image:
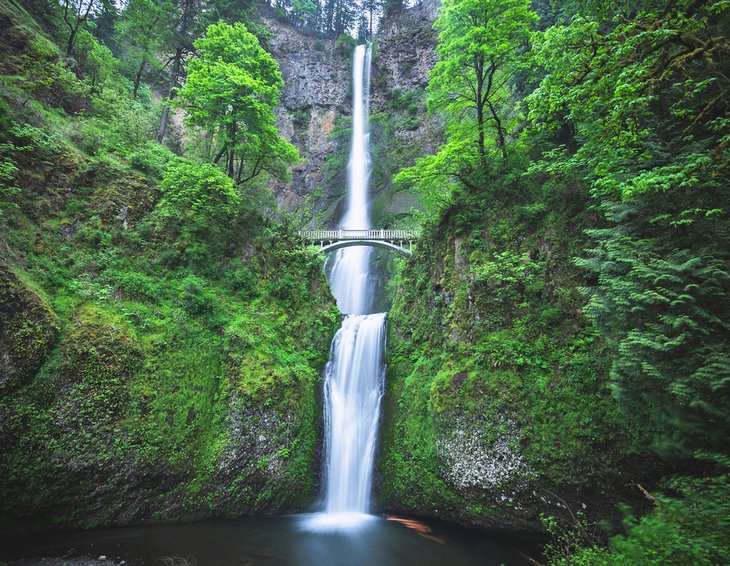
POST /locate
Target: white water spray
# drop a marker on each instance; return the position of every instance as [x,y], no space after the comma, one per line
[354,375]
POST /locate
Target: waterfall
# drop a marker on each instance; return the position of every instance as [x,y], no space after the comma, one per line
[353,382]
[350,271]
[355,373]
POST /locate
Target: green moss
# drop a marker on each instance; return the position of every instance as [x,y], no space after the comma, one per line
[28,327]
[486,330]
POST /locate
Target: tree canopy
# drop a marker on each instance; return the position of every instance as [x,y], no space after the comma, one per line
[230,93]
[479,49]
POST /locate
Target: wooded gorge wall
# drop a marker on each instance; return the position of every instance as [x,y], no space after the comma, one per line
[559,340]
[497,408]
[156,366]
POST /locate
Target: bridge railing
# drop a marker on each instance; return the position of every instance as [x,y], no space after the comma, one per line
[330,235]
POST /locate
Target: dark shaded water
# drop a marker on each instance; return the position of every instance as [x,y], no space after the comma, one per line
[275,541]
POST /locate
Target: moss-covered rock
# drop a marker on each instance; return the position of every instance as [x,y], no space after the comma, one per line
[159,375]
[28,329]
[147,413]
[497,409]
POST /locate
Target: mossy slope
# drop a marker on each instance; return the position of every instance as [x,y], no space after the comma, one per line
[497,407]
[149,373]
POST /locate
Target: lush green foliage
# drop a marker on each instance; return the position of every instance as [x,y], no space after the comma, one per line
[148,331]
[565,314]
[335,17]
[487,334]
[147,28]
[230,94]
[683,529]
[656,160]
[197,200]
[625,118]
[479,46]
[481,49]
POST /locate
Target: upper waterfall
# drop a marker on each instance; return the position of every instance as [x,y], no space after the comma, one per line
[349,275]
[357,216]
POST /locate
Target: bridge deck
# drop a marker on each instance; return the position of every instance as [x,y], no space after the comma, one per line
[332,235]
[329,240]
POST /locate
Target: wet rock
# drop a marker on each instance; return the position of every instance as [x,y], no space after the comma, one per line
[28,329]
[316,73]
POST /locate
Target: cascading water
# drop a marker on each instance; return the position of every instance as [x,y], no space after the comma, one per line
[354,375]
[353,383]
[349,273]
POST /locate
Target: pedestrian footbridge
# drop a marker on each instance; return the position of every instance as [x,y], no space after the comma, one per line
[329,240]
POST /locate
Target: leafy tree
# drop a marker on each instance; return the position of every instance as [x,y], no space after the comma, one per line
[185,29]
[198,200]
[480,49]
[304,13]
[75,14]
[480,43]
[96,61]
[105,23]
[230,93]
[146,29]
[645,97]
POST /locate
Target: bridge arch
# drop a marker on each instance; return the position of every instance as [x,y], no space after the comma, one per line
[332,246]
[400,241]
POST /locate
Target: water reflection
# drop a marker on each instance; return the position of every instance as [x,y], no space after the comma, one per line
[276,540]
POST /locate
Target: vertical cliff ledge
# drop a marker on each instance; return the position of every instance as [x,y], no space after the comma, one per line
[316,94]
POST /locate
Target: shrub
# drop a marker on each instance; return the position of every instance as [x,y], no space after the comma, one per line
[151,158]
[242,279]
[196,299]
[137,285]
[198,199]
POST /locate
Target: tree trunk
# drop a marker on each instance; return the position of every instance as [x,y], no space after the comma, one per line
[231,171]
[480,97]
[232,132]
[71,41]
[500,131]
[170,93]
[138,78]
[217,158]
[239,174]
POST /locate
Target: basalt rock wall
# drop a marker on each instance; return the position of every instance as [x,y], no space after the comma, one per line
[316,106]
[316,97]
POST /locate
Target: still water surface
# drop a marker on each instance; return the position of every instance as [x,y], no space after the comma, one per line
[277,541]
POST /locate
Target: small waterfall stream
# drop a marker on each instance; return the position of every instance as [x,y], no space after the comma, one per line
[355,373]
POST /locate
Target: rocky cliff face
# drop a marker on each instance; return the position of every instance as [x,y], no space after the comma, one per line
[28,329]
[135,387]
[497,409]
[406,54]
[316,107]
[124,426]
[401,128]
[316,95]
